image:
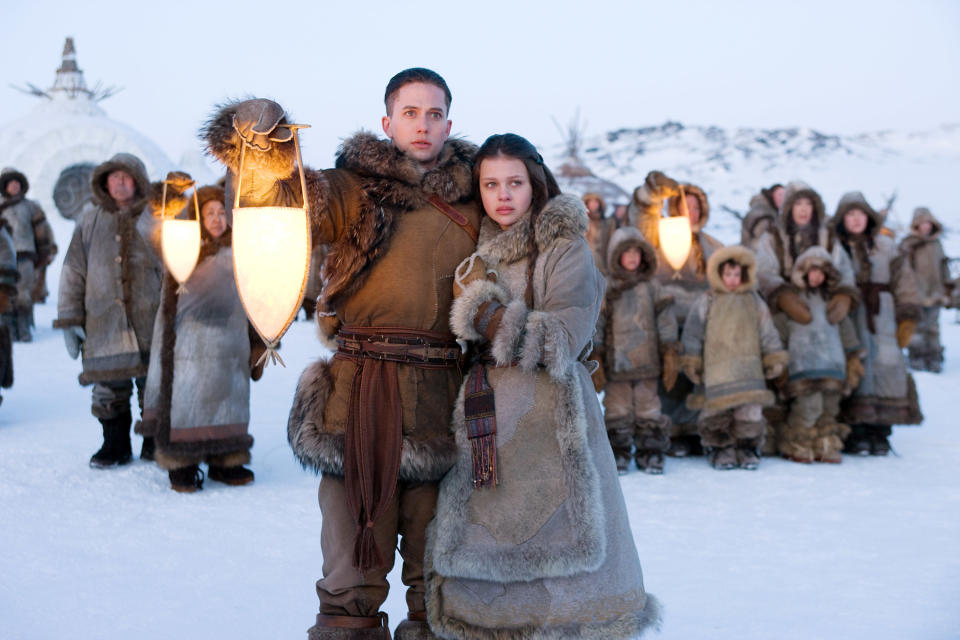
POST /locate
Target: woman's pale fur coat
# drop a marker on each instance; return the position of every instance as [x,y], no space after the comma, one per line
[548,552]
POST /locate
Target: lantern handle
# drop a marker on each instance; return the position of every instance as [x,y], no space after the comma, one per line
[684,210]
[296,143]
[163,199]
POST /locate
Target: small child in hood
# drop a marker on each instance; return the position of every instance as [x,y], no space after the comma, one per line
[923,249]
[636,343]
[824,362]
[730,349]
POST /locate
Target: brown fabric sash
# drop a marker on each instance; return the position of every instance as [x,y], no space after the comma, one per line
[456,216]
[374,428]
[870,292]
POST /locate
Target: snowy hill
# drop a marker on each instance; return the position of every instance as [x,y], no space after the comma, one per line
[733,164]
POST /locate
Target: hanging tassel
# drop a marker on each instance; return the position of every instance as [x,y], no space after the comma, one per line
[479,410]
[366,556]
[484,449]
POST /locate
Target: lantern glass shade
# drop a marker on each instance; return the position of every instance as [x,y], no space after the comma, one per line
[676,239]
[271,259]
[180,240]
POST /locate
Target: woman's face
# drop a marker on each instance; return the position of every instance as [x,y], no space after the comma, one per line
[802,211]
[855,221]
[214,217]
[778,197]
[505,189]
[693,209]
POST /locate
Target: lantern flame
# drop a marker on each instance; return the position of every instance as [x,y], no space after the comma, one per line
[676,239]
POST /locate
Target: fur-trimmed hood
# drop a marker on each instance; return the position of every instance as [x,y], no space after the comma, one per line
[624,238]
[8,174]
[815,256]
[792,192]
[856,200]
[593,195]
[125,162]
[921,215]
[742,256]
[564,216]
[371,157]
[673,205]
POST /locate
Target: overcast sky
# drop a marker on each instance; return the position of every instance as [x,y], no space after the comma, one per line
[838,66]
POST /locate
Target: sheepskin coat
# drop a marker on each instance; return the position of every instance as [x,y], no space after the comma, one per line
[887,394]
[548,552]
[645,209]
[761,217]
[926,258]
[731,338]
[197,397]
[390,263]
[30,232]
[818,350]
[110,282]
[777,251]
[636,323]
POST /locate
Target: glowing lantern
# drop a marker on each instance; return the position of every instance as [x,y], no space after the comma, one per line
[676,239]
[271,260]
[180,242]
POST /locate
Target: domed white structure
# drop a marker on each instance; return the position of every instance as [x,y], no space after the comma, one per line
[70,128]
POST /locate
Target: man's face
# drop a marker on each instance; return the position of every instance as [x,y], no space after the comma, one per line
[418,123]
[214,218]
[121,187]
[13,188]
[731,276]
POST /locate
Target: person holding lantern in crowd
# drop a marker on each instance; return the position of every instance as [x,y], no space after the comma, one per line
[399,216]
[109,294]
[33,241]
[197,398]
[636,343]
[730,348]
[801,224]
[923,250]
[683,285]
[885,322]
[532,513]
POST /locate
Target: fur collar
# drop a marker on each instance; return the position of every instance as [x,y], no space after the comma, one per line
[744,257]
[815,256]
[563,216]
[402,180]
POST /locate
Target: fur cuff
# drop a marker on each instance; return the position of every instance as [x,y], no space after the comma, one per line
[467,305]
[776,357]
[63,323]
[512,327]
[545,343]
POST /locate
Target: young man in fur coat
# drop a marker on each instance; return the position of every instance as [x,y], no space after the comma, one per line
[923,250]
[109,294]
[637,342]
[33,240]
[683,286]
[399,216]
[730,349]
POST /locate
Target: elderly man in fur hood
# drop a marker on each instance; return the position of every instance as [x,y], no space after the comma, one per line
[399,216]
[599,229]
[824,363]
[730,349]
[637,340]
[33,241]
[924,251]
[683,286]
[109,294]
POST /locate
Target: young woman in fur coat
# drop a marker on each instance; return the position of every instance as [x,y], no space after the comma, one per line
[885,322]
[197,404]
[531,537]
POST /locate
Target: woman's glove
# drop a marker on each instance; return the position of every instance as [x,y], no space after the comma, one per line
[73,337]
[258,123]
[838,307]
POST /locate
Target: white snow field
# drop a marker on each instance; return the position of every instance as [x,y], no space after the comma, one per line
[867,549]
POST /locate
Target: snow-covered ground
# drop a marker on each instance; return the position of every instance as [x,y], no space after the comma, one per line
[867,549]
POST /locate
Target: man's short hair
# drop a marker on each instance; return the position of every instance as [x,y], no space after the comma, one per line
[409,76]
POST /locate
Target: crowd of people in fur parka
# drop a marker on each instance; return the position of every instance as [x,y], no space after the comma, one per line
[790,343]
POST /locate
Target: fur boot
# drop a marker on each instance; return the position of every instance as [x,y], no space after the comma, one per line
[413,630]
[828,440]
[652,439]
[350,628]
[750,436]
[716,435]
[859,441]
[620,434]
[116,443]
[775,417]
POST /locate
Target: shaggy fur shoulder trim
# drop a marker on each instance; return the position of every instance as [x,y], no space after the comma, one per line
[545,343]
[742,256]
[513,324]
[564,216]
[466,306]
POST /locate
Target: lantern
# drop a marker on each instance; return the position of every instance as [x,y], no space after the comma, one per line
[180,242]
[271,260]
[675,241]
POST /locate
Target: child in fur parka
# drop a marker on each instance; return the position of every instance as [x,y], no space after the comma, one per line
[924,251]
[730,349]
[823,355]
[636,332]
[531,537]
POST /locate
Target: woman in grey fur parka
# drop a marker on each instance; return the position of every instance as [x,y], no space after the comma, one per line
[531,538]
